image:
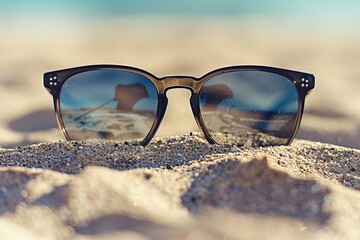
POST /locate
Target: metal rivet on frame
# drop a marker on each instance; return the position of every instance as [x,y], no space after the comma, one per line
[53,80]
[304,82]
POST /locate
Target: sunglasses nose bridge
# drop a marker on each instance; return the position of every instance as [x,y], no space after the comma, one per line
[179,82]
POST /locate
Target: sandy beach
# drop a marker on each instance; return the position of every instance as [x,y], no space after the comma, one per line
[171,47]
[178,187]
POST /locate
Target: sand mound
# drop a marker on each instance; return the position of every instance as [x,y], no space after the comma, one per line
[179,188]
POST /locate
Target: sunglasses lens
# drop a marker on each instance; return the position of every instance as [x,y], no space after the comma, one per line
[108,104]
[249,108]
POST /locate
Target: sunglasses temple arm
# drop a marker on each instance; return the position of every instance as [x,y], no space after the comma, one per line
[94,109]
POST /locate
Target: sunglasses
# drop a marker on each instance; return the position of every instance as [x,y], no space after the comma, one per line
[241,105]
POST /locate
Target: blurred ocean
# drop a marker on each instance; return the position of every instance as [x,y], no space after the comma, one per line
[324,12]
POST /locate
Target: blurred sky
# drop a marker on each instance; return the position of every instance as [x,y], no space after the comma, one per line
[331,13]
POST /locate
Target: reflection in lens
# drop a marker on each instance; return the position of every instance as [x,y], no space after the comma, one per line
[249,108]
[108,104]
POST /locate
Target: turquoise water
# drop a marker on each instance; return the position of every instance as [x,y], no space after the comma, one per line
[321,14]
[345,10]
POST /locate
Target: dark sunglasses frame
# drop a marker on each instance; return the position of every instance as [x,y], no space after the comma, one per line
[303,82]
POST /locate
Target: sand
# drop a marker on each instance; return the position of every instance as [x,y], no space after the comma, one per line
[178,187]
